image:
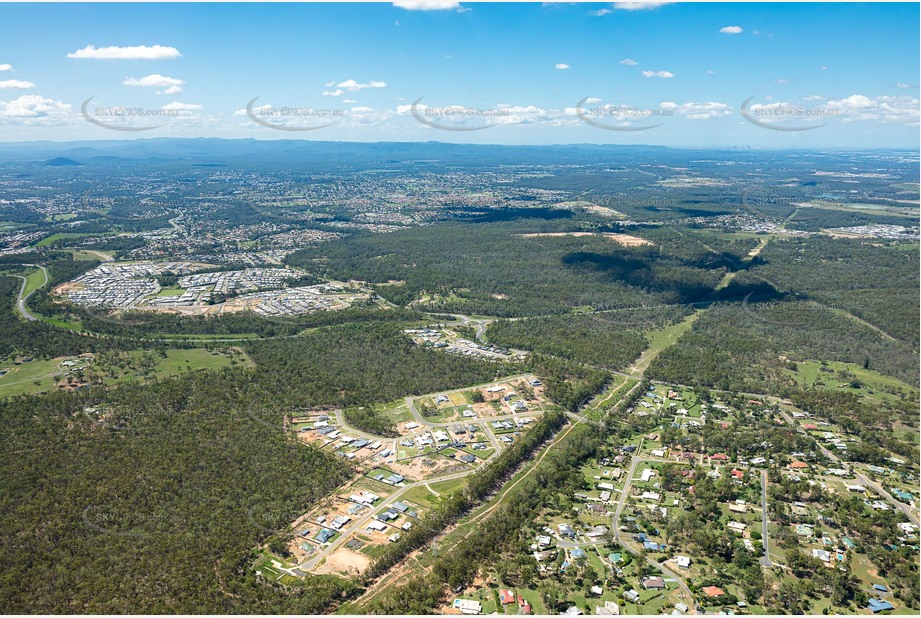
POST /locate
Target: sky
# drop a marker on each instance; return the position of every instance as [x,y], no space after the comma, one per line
[797,75]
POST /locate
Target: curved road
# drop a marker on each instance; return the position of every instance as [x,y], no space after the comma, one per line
[23,299]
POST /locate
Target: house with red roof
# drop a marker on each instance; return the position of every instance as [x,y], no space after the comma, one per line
[506,597]
[737,474]
[713,591]
[719,457]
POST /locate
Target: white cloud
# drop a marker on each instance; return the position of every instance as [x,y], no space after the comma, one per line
[630,62]
[427,5]
[33,106]
[903,86]
[599,12]
[6,67]
[711,72]
[813,97]
[662,74]
[136,52]
[639,6]
[561,66]
[698,111]
[349,101]
[731,30]
[823,68]
[362,110]
[19,84]
[171,85]
[350,85]
[592,100]
[176,106]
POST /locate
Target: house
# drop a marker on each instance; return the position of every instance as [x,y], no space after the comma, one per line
[659,452]
[605,486]
[822,555]
[566,530]
[544,541]
[654,583]
[652,496]
[878,605]
[854,487]
[681,607]
[737,474]
[719,457]
[683,562]
[632,595]
[377,526]
[411,425]
[652,546]
[506,597]
[467,458]
[467,606]
[597,532]
[738,508]
[340,521]
[577,553]
[609,608]
[604,496]
[523,606]
[736,526]
[713,591]
[399,506]
[799,465]
[880,588]
[597,591]
[393,538]
[324,535]
[441,399]
[647,474]
[572,611]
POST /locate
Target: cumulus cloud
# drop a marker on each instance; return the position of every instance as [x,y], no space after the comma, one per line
[350,85]
[561,66]
[731,30]
[630,62]
[135,52]
[883,109]
[662,74]
[428,5]
[18,84]
[171,85]
[6,67]
[33,106]
[177,106]
[697,111]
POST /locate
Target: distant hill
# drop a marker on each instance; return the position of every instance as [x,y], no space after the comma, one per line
[61,162]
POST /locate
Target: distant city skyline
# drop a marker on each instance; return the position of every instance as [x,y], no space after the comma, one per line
[805,75]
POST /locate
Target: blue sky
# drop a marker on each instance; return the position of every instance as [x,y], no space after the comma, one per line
[814,75]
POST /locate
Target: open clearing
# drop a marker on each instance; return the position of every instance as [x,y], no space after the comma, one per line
[625,240]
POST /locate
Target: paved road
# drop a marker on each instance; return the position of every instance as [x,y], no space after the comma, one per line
[912,516]
[22,300]
[615,530]
[766,560]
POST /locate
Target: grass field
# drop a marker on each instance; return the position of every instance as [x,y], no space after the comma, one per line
[659,340]
[38,376]
[56,237]
[829,375]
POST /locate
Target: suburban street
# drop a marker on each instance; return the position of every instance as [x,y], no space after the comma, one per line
[765,560]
